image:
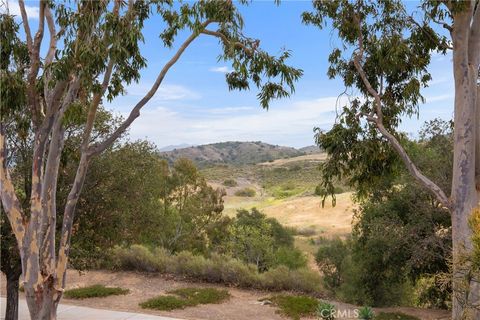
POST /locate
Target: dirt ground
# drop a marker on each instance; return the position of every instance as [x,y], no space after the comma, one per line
[243,305]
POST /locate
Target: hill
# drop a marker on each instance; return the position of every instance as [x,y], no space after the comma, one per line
[232,152]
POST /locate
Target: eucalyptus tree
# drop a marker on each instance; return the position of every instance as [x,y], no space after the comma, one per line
[385,54]
[93,52]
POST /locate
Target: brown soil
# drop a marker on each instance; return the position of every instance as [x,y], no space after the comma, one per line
[243,305]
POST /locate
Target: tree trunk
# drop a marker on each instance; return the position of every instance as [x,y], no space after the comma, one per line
[11,312]
[466,289]
[43,302]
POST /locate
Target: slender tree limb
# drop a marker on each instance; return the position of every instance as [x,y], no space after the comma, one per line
[26,25]
[98,148]
[474,39]
[10,202]
[236,44]
[378,122]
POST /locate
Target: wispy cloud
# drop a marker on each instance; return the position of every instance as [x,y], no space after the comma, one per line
[228,110]
[14,9]
[220,69]
[441,97]
[166,92]
[289,124]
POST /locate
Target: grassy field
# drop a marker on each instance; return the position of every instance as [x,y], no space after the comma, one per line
[285,191]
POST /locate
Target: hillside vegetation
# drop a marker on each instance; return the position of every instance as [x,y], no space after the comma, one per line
[234,153]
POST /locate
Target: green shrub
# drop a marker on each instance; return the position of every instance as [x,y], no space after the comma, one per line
[246,192]
[366,313]
[281,278]
[293,258]
[186,297]
[329,258]
[230,183]
[95,291]
[218,269]
[394,316]
[202,295]
[430,292]
[295,307]
[139,258]
[164,303]
[326,310]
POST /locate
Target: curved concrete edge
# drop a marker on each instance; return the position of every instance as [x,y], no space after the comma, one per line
[71,312]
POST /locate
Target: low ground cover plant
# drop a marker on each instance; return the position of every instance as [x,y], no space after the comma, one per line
[186,297]
[295,306]
[94,291]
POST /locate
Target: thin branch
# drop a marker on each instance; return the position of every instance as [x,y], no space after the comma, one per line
[100,147]
[378,122]
[26,26]
[236,44]
[474,40]
[10,201]
[53,37]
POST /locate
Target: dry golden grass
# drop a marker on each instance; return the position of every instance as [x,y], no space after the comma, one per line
[305,212]
[309,157]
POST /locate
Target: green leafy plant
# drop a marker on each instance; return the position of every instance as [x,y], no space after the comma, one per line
[230,183]
[326,311]
[164,303]
[186,297]
[202,295]
[245,192]
[95,291]
[366,313]
[295,306]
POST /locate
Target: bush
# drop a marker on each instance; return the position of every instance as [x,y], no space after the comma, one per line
[295,307]
[430,292]
[329,258]
[292,258]
[230,183]
[246,192]
[95,291]
[326,311]
[139,258]
[202,295]
[164,303]
[366,313]
[216,269]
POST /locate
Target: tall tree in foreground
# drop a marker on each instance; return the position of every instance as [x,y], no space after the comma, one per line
[92,53]
[385,54]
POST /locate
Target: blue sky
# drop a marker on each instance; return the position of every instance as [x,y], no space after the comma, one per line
[194,106]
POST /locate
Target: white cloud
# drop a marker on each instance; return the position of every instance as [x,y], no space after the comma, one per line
[166,92]
[220,69]
[229,110]
[290,124]
[441,97]
[14,9]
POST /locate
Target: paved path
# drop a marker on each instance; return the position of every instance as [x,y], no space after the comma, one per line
[70,312]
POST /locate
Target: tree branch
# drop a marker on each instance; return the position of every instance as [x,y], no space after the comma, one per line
[378,122]
[10,202]
[474,39]
[236,44]
[100,147]
[26,26]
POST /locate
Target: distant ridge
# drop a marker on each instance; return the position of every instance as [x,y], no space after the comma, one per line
[235,153]
[177,146]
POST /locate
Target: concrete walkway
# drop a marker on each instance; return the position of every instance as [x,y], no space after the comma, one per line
[70,312]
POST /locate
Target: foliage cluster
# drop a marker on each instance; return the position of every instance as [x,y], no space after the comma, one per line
[186,297]
[401,235]
[94,291]
[295,306]
[215,269]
